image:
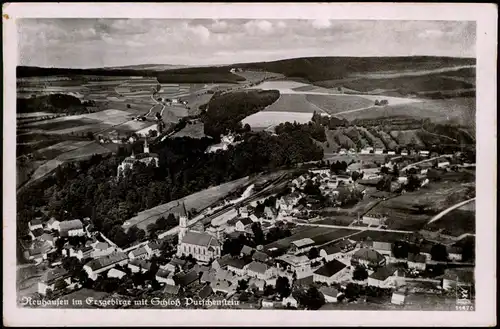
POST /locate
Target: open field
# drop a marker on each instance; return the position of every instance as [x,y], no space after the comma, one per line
[455,223]
[412,210]
[53,151]
[319,234]
[339,103]
[33,115]
[93,122]
[193,130]
[284,86]
[266,119]
[457,110]
[198,201]
[293,103]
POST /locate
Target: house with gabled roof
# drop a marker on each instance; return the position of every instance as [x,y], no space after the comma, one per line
[101,249]
[383,277]
[99,265]
[242,223]
[368,257]
[52,224]
[115,273]
[302,245]
[165,276]
[416,261]
[153,248]
[46,237]
[38,251]
[331,272]
[260,256]
[71,228]
[205,292]
[35,224]
[83,252]
[246,251]
[171,290]
[139,253]
[259,270]
[141,265]
[330,252]
[184,279]
[331,294]
[51,277]
[36,233]
[236,265]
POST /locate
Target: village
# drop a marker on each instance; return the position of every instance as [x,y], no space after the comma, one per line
[279,251]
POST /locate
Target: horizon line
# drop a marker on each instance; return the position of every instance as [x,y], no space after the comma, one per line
[228,64]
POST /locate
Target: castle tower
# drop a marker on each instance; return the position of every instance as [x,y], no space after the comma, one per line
[146,147]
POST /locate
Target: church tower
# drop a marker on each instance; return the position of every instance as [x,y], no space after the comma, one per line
[183,224]
[146,147]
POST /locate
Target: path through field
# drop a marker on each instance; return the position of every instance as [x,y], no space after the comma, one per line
[444,212]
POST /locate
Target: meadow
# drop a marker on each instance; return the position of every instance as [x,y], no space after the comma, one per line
[293,103]
[460,111]
[197,201]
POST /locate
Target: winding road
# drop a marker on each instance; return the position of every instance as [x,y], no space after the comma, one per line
[444,212]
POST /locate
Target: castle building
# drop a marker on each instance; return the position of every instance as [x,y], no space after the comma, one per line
[201,245]
[145,157]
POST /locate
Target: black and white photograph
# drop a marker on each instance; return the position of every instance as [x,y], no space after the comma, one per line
[248,163]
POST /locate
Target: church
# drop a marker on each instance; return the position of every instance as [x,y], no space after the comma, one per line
[146,158]
[201,245]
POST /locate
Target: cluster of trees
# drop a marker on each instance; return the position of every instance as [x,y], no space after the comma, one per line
[89,188]
[360,273]
[227,110]
[311,299]
[313,129]
[54,103]
[330,122]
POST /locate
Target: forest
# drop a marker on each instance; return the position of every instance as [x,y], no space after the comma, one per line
[90,188]
[225,111]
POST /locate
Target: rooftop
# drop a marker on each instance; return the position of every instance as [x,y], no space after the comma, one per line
[200,239]
[383,273]
[55,274]
[329,291]
[68,225]
[259,256]
[303,242]
[185,279]
[171,290]
[257,267]
[102,262]
[416,258]
[141,263]
[330,268]
[368,255]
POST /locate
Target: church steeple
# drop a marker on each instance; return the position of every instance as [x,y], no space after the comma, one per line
[146,147]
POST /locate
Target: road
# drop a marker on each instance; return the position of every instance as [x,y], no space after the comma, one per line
[352,227]
[444,212]
[426,160]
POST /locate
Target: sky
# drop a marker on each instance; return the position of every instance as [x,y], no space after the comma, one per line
[86,43]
